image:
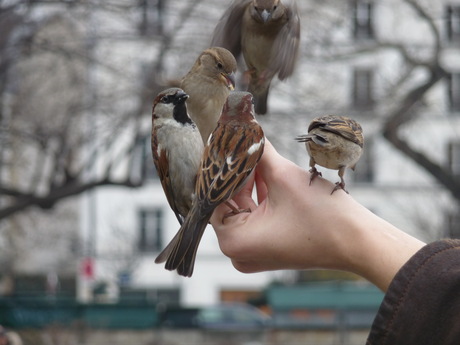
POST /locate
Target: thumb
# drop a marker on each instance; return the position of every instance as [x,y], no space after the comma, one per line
[271,169]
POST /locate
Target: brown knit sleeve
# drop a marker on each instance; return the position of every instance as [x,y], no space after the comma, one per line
[422,304]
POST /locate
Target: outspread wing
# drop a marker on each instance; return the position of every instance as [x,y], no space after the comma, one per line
[227,33]
[286,46]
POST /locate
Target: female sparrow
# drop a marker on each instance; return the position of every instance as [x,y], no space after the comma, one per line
[233,150]
[176,149]
[208,83]
[334,142]
[267,32]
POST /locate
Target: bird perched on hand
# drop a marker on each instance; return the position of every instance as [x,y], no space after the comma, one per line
[208,83]
[267,32]
[176,149]
[233,151]
[334,142]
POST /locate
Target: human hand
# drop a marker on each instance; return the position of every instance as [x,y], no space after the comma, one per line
[295,225]
[290,214]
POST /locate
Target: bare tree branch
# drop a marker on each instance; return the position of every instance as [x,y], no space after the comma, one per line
[72,188]
[430,22]
[405,113]
[59,147]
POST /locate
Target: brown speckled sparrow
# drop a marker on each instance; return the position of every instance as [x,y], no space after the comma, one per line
[208,84]
[233,150]
[267,32]
[176,149]
[334,142]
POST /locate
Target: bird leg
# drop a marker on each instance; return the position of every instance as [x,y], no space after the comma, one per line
[248,75]
[258,79]
[341,184]
[313,171]
[264,76]
[234,211]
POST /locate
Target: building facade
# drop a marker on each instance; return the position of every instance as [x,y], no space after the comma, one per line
[362,59]
[392,65]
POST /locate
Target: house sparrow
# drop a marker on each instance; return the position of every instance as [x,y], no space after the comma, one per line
[176,149]
[208,83]
[334,142]
[233,150]
[267,32]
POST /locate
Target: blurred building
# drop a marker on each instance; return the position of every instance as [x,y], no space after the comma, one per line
[364,59]
[38,249]
[358,58]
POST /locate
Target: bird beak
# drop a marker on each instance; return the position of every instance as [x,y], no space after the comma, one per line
[265,15]
[181,97]
[229,80]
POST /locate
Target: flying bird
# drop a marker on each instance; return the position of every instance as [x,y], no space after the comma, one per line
[334,142]
[234,149]
[176,149]
[208,83]
[267,33]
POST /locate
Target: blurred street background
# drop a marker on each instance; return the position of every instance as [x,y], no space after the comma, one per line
[83,214]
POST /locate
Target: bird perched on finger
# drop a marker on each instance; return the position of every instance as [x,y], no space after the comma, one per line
[334,142]
[209,83]
[176,149]
[234,149]
[267,33]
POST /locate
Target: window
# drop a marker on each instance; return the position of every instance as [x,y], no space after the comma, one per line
[151,230]
[364,171]
[453,89]
[453,157]
[362,20]
[453,23]
[151,17]
[362,89]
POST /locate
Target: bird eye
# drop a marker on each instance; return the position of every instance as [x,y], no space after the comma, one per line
[274,7]
[219,65]
[164,99]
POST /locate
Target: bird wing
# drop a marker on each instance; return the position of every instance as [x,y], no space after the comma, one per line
[160,159]
[286,46]
[227,33]
[225,168]
[345,127]
[227,162]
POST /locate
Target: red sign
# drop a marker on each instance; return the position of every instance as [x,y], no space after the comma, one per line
[87,268]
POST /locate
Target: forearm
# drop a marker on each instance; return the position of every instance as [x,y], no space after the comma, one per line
[297,225]
[371,247]
[344,235]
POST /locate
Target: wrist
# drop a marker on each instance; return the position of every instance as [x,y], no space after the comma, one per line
[371,247]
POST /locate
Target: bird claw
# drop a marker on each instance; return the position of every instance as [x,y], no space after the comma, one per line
[260,78]
[314,173]
[339,185]
[248,75]
[234,212]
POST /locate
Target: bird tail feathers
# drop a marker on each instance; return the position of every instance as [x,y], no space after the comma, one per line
[180,253]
